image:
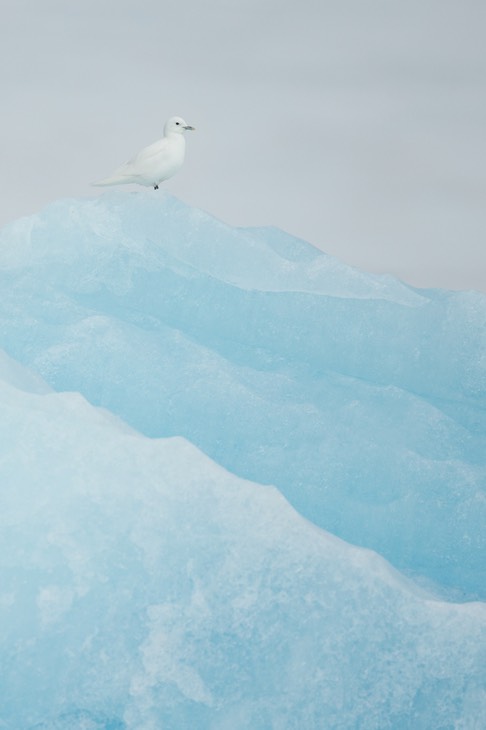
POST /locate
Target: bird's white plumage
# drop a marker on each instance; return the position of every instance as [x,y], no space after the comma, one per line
[157,162]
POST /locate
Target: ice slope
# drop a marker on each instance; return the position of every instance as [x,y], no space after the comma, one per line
[143,587]
[361,399]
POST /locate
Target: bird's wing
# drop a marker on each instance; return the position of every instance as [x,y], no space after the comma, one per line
[157,148]
[142,164]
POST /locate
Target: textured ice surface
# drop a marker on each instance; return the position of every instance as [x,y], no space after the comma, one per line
[361,399]
[144,587]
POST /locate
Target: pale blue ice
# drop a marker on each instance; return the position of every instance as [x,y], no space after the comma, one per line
[158,369]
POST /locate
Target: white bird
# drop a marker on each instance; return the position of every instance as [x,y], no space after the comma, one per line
[154,163]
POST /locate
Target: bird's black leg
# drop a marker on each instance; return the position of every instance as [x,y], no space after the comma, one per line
[156,187]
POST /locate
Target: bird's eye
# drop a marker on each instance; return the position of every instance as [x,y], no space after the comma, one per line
[177,122]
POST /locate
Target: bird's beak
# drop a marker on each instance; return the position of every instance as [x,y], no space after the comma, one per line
[188,127]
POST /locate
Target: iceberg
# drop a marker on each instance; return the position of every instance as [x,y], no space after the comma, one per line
[241,484]
[360,398]
[144,586]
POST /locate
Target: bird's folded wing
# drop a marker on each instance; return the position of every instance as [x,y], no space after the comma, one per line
[152,150]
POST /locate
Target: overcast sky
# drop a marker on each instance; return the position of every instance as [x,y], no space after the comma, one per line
[359,125]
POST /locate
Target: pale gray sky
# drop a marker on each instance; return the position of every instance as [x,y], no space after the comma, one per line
[358,125]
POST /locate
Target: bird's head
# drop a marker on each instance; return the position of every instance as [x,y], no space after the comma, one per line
[176,125]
